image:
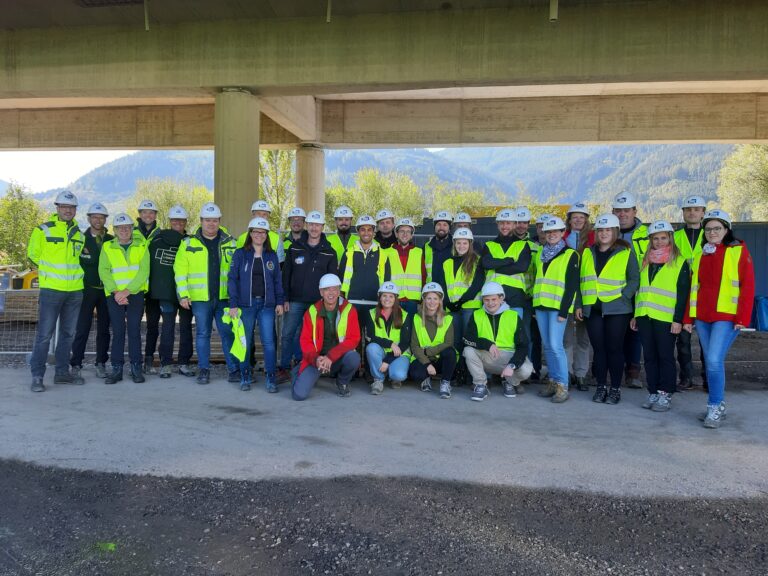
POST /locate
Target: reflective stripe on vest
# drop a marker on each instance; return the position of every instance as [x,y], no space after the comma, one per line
[657,299]
[341,324]
[124,270]
[408,280]
[549,288]
[338,246]
[459,282]
[349,268]
[191,268]
[380,330]
[611,281]
[730,283]
[505,330]
[513,252]
[423,336]
[59,264]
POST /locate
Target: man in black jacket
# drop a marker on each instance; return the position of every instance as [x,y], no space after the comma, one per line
[147,228]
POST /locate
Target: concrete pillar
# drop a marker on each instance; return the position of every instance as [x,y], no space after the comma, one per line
[236,156]
[310,177]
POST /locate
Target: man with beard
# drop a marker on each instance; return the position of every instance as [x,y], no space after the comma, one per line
[438,249]
[343,236]
[296,218]
[385,229]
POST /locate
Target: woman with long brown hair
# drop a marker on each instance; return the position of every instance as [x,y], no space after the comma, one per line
[388,334]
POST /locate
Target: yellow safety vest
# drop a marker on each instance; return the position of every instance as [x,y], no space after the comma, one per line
[730,283]
[336,244]
[549,288]
[239,341]
[191,267]
[612,280]
[123,270]
[408,280]
[349,269]
[380,328]
[530,274]
[137,235]
[458,283]
[657,299]
[688,252]
[55,247]
[423,336]
[505,333]
[515,280]
[429,260]
[640,242]
[342,319]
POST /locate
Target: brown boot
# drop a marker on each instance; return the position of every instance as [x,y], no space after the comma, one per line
[561,394]
[549,389]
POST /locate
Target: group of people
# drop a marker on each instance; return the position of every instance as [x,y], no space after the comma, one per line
[585,297]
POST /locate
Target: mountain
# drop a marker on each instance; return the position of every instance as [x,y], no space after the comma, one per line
[4,185]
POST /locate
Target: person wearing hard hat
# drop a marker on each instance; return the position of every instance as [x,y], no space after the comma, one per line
[261,209]
[438,249]
[146,228]
[665,283]
[495,343]
[720,305]
[54,249]
[405,265]
[329,337]
[388,337]
[201,269]
[385,228]
[296,218]
[689,240]
[462,220]
[554,293]
[305,263]
[464,279]
[535,346]
[540,221]
[609,278]
[578,229]
[124,271]
[162,287]
[341,239]
[432,342]
[255,288]
[93,295]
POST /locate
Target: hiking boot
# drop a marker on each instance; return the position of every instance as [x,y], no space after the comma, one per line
[283,376]
[187,370]
[714,416]
[65,378]
[166,371]
[663,404]
[426,384]
[270,384]
[149,365]
[509,389]
[396,384]
[703,415]
[650,401]
[549,388]
[480,392]
[37,384]
[234,376]
[101,370]
[445,389]
[601,394]
[115,376]
[581,384]
[77,375]
[614,396]
[561,393]
[377,387]
[685,384]
[204,376]
[136,374]
[343,390]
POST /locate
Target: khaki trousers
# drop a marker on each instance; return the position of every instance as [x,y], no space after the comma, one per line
[480,363]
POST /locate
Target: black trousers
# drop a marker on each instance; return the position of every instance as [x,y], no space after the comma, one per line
[685,357]
[152,313]
[606,334]
[536,346]
[93,299]
[168,311]
[445,365]
[658,354]
[122,316]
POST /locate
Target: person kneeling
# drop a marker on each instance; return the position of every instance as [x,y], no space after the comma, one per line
[388,332]
[495,343]
[328,345]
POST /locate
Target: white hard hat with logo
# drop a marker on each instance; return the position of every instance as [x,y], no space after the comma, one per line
[543,218]
[389,288]
[315,217]
[506,215]
[554,223]
[578,208]
[297,212]
[97,208]
[432,287]
[210,210]
[694,202]
[384,214]
[65,198]
[624,200]
[521,214]
[463,234]
[343,212]
[405,222]
[462,218]
[122,219]
[259,223]
[147,205]
[717,214]
[177,213]
[606,221]
[329,281]
[492,289]
[261,205]
[443,216]
[660,226]
[365,220]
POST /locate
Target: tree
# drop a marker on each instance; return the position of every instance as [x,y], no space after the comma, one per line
[743,190]
[277,184]
[19,213]
[166,193]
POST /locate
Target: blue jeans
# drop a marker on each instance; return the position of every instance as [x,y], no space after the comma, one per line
[398,369]
[552,340]
[716,339]
[460,321]
[122,316]
[205,313]
[290,348]
[266,320]
[64,307]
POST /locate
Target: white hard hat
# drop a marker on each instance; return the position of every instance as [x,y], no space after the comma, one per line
[660,226]
[718,215]
[259,223]
[97,208]
[624,200]
[462,218]
[554,223]
[177,213]
[578,208]
[210,210]
[606,221]
[260,205]
[329,281]
[147,205]
[463,234]
[389,288]
[384,214]
[694,202]
[432,287]
[405,222]
[65,198]
[443,216]
[543,218]
[521,214]
[365,220]
[343,212]
[297,212]
[492,289]
[122,219]
[315,217]
[506,215]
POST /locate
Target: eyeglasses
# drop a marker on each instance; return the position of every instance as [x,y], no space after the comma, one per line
[713,230]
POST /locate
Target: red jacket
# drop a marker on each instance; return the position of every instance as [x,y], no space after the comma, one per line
[710,275]
[351,339]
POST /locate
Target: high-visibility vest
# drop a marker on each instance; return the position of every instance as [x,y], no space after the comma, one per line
[549,288]
[55,247]
[730,283]
[335,241]
[459,282]
[342,319]
[137,235]
[239,347]
[640,242]
[429,259]
[611,281]
[123,270]
[191,267]
[505,332]
[514,280]
[530,274]
[380,329]
[423,336]
[349,269]
[408,280]
[657,298]
[686,250]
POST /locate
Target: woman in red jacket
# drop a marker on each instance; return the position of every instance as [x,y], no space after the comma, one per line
[722,291]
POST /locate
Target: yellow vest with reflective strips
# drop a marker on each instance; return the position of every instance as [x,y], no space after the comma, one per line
[429,260]
[688,252]
[549,288]
[530,274]
[505,333]
[640,242]
[610,283]
[380,330]
[730,283]
[123,270]
[657,298]
[239,340]
[55,247]
[338,247]
[459,282]
[423,336]
[349,268]
[515,280]
[191,267]
[408,280]
[342,319]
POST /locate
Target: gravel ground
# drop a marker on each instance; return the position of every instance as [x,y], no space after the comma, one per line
[63,522]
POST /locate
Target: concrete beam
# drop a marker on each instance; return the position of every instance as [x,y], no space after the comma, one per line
[297,114]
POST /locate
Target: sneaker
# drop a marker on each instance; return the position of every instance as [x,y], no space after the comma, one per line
[714,416]
[234,377]
[480,392]
[445,389]
[149,365]
[283,376]
[64,378]
[37,384]
[187,370]
[581,384]
[601,394]
[649,403]
[561,393]
[101,370]
[204,376]
[703,415]
[77,375]
[614,396]
[343,390]
[377,387]
[509,389]
[270,384]
[115,376]
[663,404]
[549,389]
[396,384]
[136,373]
[426,384]
[165,371]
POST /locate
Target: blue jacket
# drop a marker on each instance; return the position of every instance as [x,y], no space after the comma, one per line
[241,275]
